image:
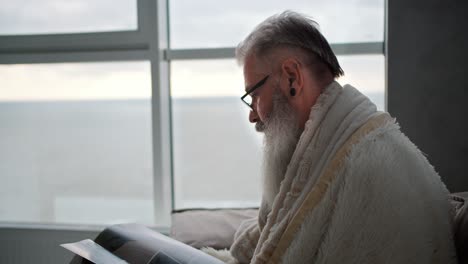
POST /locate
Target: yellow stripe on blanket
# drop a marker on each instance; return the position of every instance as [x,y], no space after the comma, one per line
[319,190]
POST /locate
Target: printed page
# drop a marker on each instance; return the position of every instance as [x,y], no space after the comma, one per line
[93,252]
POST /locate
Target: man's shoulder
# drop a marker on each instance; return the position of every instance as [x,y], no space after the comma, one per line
[386,157]
[387,140]
[387,149]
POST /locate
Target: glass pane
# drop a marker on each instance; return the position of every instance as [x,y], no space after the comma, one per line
[21,17]
[75,143]
[367,74]
[211,23]
[216,150]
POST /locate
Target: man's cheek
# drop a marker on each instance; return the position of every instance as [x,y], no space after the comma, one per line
[263,112]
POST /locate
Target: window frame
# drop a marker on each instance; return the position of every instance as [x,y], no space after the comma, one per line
[150,41]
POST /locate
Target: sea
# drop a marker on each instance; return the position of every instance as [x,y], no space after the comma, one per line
[90,162]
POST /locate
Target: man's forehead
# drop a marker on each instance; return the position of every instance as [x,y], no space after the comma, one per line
[253,72]
[251,79]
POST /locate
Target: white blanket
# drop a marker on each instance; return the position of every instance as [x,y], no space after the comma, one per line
[381,202]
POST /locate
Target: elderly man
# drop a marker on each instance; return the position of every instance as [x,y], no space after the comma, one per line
[342,184]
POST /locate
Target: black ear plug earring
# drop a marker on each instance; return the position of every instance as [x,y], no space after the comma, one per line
[292,91]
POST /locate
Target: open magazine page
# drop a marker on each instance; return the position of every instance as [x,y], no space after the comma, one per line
[138,244]
[93,252]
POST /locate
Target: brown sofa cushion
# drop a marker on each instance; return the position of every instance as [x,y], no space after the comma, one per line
[208,228]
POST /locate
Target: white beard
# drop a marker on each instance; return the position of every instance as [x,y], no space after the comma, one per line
[281,136]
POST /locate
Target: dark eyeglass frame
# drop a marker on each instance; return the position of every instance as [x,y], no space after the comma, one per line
[255,87]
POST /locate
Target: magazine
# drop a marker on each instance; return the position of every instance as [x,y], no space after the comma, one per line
[135,244]
[93,252]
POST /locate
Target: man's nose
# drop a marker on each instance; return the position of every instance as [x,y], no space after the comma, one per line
[253,117]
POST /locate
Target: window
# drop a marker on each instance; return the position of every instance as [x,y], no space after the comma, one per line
[197,24]
[75,143]
[25,17]
[367,74]
[103,122]
[214,146]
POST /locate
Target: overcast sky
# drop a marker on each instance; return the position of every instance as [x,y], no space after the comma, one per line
[194,24]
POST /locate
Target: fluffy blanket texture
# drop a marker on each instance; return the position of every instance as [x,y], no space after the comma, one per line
[356,191]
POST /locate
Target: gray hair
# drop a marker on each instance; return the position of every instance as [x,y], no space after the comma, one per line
[289,30]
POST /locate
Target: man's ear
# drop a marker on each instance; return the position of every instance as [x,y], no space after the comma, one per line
[292,68]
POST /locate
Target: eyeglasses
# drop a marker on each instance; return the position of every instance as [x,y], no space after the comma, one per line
[248,100]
